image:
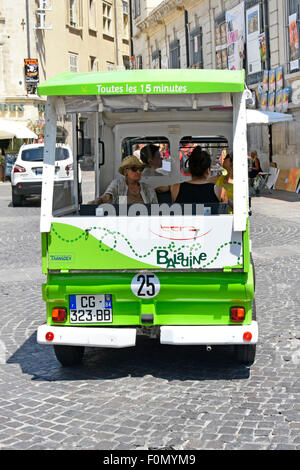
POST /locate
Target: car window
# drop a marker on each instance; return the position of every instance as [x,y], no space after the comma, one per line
[37,154]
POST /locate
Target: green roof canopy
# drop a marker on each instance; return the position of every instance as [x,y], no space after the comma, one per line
[141,82]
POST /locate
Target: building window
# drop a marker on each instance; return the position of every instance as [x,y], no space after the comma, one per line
[156,59]
[92,14]
[125,20]
[107,18]
[196,54]
[174,49]
[110,66]
[93,64]
[73,61]
[293,14]
[136,8]
[138,62]
[75,13]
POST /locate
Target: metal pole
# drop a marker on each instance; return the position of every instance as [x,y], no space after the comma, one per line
[97,156]
[28,29]
[131,29]
[116,33]
[267,34]
[75,159]
[186,27]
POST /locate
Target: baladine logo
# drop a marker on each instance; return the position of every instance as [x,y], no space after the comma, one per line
[60,257]
[180,259]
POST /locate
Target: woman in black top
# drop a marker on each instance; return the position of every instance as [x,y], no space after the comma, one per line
[198,190]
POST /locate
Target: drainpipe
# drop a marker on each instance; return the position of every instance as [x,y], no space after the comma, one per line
[116,33]
[187,44]
[267,35]
[267,32]
[131,28]
[28,30]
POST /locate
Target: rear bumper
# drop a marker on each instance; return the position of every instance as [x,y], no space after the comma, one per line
[126,337]
[27,188]
[208,335]
[93,337]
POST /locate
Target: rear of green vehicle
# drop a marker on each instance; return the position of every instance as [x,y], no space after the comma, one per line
[181,275]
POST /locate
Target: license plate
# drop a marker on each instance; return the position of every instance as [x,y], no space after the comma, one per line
[90,308]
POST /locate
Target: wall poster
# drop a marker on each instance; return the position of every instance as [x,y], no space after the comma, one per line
[253,42]
[293,42]
[235,37]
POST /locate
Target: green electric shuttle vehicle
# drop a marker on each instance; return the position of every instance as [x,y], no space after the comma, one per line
[180,273]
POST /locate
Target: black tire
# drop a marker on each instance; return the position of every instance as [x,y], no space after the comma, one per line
[69,355]
[17,199]
[245,353]
[253,310]
[79,194]
[253,267]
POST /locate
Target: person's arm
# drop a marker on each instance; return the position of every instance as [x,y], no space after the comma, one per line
[221,194]
[111,190]
[174,191]
[102,199]
[162,189]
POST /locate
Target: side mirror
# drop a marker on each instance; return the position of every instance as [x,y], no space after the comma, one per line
[102,152]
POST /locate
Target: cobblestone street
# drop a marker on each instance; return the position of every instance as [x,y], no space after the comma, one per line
[152,396]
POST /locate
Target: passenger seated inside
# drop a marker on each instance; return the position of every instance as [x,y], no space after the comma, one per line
[198,189]
[226,180]
[130,185]
[150,156]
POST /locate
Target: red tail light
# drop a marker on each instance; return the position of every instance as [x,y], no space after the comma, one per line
[19,169]
[237,314]
[49,336]
[247,336]
[69,167]
[59,314]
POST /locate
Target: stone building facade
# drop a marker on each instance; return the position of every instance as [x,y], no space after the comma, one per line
[192,34]
[63,35]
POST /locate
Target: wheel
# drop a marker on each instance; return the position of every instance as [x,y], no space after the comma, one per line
[17,199]
[253,310]
[245,353]
[253,267]
[79,194]
[69,355]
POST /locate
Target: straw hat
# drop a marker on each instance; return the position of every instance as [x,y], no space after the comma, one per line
[130,161]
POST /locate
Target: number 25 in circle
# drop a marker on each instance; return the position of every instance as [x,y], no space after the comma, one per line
[145,285]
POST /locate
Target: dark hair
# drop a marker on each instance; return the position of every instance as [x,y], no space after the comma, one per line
[199,161]
[148,152]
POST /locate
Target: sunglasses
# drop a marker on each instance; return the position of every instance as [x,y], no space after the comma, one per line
[135,168]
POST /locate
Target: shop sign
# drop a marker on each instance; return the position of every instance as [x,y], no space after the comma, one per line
[12,107]
[31,71]
[44,5]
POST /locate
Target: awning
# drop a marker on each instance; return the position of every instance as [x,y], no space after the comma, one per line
[266,117]
[10,129]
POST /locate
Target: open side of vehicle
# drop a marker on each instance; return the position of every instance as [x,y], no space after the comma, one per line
[182,274]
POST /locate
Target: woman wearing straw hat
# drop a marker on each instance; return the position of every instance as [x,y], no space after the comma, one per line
[130,186]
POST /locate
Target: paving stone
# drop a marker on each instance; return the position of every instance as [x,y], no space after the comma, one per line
[151,396]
